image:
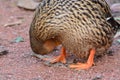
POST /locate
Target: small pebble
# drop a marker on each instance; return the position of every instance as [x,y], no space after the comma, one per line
[3,51]
[98,77]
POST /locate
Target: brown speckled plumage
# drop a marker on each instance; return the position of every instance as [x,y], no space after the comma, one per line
[79,25]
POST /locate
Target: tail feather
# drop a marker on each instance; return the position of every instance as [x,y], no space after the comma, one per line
[114,23]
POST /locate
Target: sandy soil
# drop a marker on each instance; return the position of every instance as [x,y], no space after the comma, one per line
[19,64]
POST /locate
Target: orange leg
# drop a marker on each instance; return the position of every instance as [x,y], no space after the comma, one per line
[87,65]
[61,58]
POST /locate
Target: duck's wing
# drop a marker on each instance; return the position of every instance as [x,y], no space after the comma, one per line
[107,11]
[104,7]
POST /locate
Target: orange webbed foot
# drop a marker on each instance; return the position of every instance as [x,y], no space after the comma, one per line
[61,58]
[87,65]
[80,66]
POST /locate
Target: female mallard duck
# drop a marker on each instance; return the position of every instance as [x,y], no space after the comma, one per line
[83,27]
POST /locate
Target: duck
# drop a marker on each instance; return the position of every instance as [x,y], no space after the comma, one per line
[85,28]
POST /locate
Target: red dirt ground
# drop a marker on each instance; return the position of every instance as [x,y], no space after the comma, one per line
[19,64]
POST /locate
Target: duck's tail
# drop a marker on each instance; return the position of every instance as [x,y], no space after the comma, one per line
[114,23]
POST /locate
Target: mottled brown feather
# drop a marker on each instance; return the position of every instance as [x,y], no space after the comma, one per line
[79,25]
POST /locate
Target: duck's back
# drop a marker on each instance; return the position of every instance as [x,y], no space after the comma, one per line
[85,26]
[78,24]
